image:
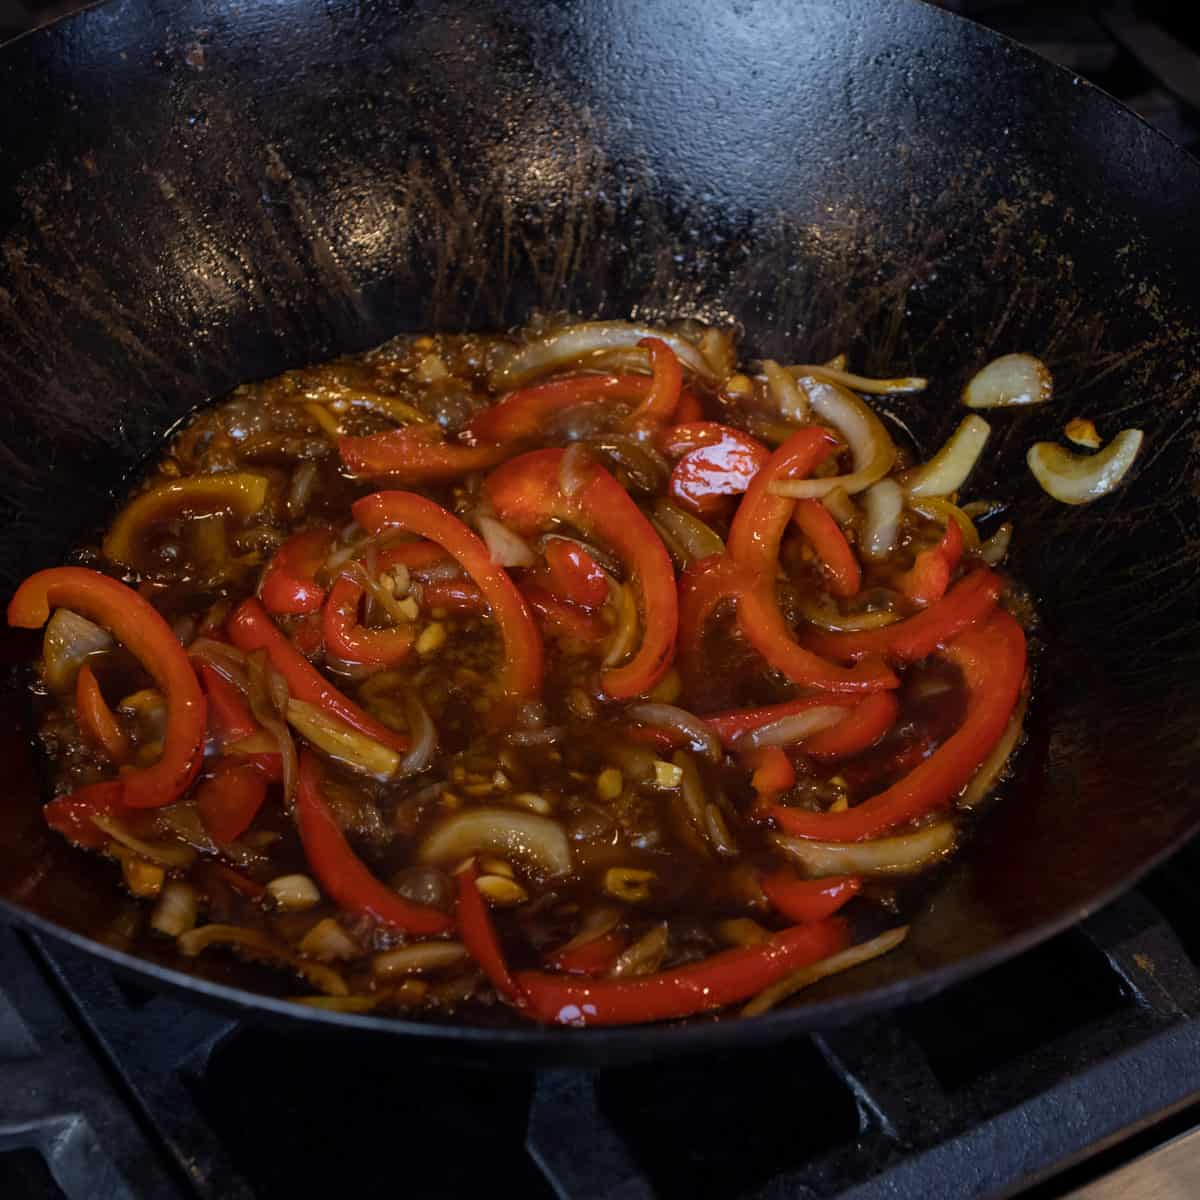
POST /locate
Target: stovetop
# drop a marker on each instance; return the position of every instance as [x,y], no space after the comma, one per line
[1085,1051]
[108,1092]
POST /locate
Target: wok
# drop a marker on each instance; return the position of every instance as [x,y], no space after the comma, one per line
[197,194]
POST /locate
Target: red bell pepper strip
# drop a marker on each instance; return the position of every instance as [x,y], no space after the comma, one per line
[729,726]
[229,716]
[415,454]
[689,410]
[803,900]
[663,740]
[575,575]
[754,539]
[289,587]
[355,643]
[705,585]
[772,770]
[250,629]
[596,957]
[454,595]
[992,660]
[557,616]
[521,675]
[478,933]
[929,577]
[663,397]
[526,495]
[72,815]
[342,873]
[97,720]
[229,801]
[523,414]
[267,763]
[715,462]
[305,633]
[860,729]
[842,573]
[967,603]
[724,978]
[421,557]
[134,622]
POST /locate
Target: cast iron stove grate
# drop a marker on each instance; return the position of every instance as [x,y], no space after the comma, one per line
[108,1093]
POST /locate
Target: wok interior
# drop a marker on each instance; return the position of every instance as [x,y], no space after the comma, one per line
[255,190]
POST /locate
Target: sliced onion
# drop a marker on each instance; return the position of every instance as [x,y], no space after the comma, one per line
[840,505]
[595,924]
[422,734]
[258,697]
[167,854]
[569,345]
[871,446]
[789,985]
[645,956]
[1008,381]
[1079,478]
[537,841]
[936,508]
[689,536]
[337,739]
[991,768]
[507,548]
[68,641]
[646,469]
[948,469]
[902,855]
[789,398]
[625,635]
[828,616]
[667,716]
[717,346]
[860,383]
[175,912]
[259,945]
[294,891]
[300,490]
[993,551]
[1083,433]
[575,469]
[228,661]
[881,525]
[795,727]
[421,956]
[328,941]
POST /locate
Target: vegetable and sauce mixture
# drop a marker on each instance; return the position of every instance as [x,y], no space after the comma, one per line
[576,676]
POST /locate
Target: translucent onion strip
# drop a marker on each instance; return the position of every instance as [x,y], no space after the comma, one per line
[995,549]
[340,742]
[901,855]
[507,548]
[538,841]
[785,731]
[666,716]
[259,945]
[175,912]
[990,770]
[871,446]
[789,398]
[421,956]
[686,536]
[884,504]
[1082,478]
[789,985]
[422,734]
[948,469]
[168,854]
[575,342]
[936,508]
[1008,382]
[68,641]
[859,383]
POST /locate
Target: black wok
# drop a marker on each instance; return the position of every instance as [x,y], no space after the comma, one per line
[196,194]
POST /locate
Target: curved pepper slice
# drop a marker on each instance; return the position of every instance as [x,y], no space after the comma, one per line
[289,587]
[663,397]
[965,604]
[929,577]
[722,979]
[689,410]
[454,595]
[575,575]
[355,643]
[72,815]
[596,957]
[808,899]
[229,716]
[251,628]
[842,572]
[478,933]
[342,873]
[772,770]
[859,730]
[526,495]
[134,622]
[715,462]
[992,660]
[521,675]
[557,616]
[229,801]
[97,720]
[754,539]
[240,492]
[415,454]
[523,414]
